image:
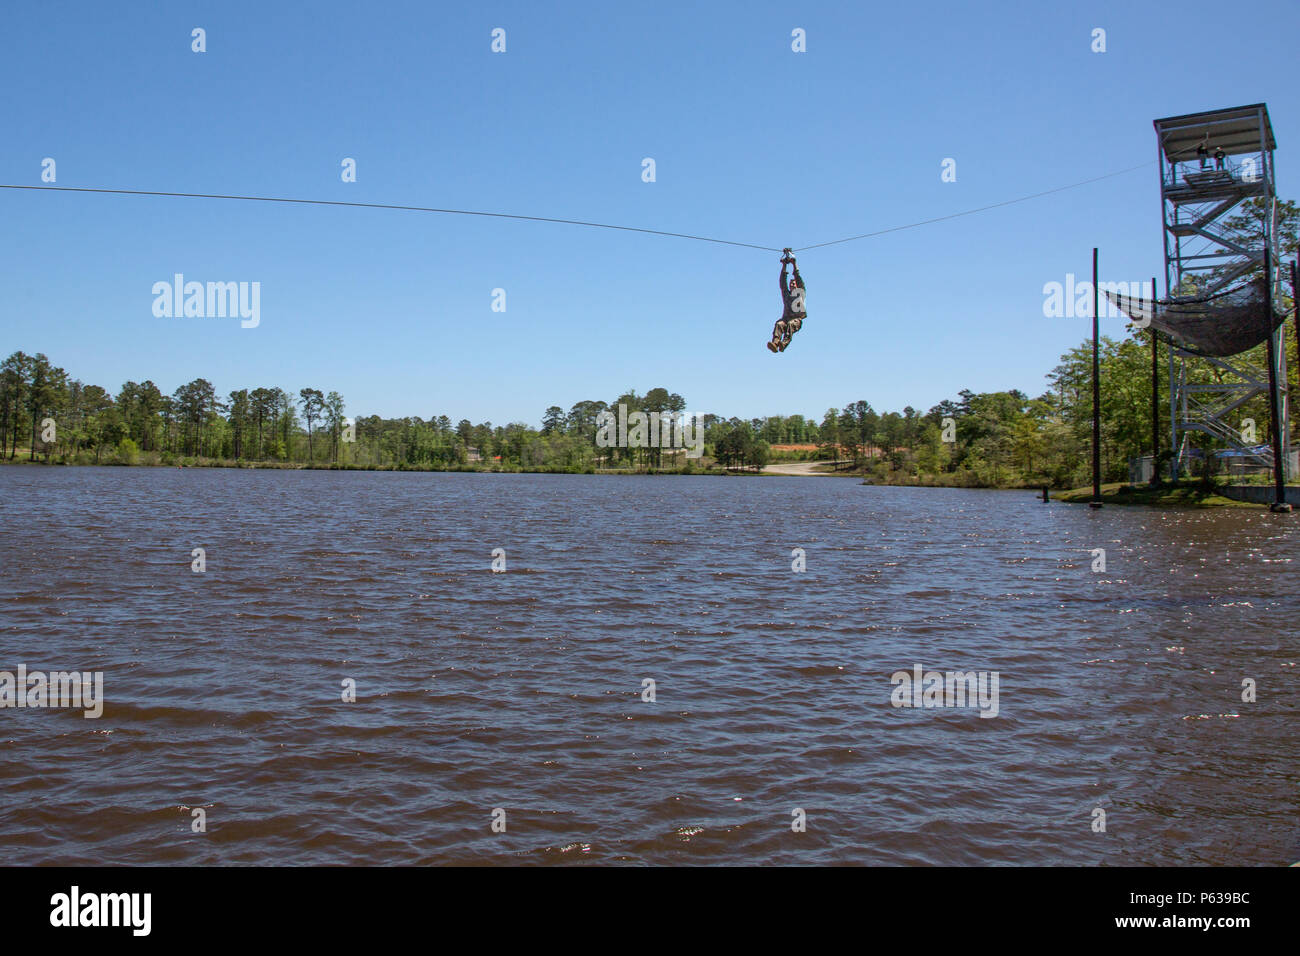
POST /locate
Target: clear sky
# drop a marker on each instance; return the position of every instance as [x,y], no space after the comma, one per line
[752,142]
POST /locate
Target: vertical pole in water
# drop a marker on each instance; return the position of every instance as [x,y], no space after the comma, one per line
[1295,304]
[1295,314]
[1174,450]
[1155,391]
[1096,394]
[1275,423]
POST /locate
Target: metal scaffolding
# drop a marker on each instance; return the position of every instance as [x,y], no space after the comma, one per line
[1211,164]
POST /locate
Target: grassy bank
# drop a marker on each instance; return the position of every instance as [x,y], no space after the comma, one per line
[1183,494]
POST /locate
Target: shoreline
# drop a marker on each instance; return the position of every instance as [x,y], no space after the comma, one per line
[245,465]
[1185,494]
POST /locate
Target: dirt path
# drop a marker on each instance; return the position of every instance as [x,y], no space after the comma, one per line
[798,468]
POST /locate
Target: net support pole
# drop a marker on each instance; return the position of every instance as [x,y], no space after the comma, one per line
[1279,478]
[1155,391]
[1096,392]
[1295,306]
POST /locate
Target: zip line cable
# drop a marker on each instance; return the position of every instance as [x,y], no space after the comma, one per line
[374,205]
[568,222]
[971,212]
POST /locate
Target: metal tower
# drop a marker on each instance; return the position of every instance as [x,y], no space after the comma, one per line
[1211,164]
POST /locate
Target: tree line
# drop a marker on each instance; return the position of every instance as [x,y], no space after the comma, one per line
[987,439]
[88,421]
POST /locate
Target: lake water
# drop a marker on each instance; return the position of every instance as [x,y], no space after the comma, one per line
[1120,690]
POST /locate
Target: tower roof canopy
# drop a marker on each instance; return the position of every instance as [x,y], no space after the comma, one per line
[1241,129]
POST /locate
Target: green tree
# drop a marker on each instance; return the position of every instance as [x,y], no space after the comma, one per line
[241,413]
[313,403]
[43,391]
[194,404]
[334,415]
[265,403]
[553,420]
[14,375]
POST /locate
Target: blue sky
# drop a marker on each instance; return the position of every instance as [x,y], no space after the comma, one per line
[752,142]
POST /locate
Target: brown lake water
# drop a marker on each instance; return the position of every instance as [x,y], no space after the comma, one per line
[1120,690]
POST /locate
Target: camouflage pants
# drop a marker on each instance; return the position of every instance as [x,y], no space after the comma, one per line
[784,330]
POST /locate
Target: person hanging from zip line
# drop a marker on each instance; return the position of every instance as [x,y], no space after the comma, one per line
[792,300]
